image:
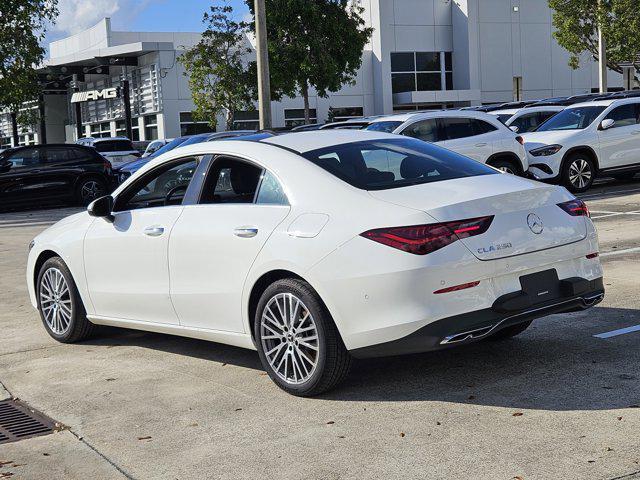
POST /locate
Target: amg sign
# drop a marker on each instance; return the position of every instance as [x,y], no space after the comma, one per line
[92,95]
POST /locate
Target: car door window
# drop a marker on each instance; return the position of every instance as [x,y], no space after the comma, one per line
[526,123]
[231,181]
[455,128]
[425,130]
[26,157]
[624,115]
[482,127]
[270,191]
[163,186]
[58,155]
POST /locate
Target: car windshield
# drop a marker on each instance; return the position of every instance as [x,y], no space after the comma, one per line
[394,163]
[387,127]
[170,146]
[572,119]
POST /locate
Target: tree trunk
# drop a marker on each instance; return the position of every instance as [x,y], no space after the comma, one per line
[305,96]
[14,129]
[230,118]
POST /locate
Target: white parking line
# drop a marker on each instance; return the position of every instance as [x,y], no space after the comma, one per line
[620,331]
[620,252]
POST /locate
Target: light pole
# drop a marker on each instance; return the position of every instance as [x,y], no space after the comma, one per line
[264,88]
[602,53]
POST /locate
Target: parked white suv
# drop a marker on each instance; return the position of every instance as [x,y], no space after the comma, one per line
[475,134]
[118,150]
[528,119]
[586,140]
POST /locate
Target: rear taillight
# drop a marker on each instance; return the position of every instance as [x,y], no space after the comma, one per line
[424,239]
[520,140]
[575,208]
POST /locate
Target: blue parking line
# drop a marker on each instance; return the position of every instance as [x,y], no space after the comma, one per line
[620,331]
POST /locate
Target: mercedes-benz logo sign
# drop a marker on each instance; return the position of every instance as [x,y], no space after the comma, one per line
[535,223]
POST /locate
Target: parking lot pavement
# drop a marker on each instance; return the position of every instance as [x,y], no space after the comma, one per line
[556,402]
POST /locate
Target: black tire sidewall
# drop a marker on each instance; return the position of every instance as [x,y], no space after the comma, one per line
[565,173]
[77,308]
[311,300]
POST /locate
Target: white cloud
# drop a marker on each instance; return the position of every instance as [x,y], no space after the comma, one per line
[78,15]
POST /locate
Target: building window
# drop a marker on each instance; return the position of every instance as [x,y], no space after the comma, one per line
[246,120]
[100,130]
[421,71]
[151,127]
[517,89]
[338,114]
[294,117]
[121,129]
[189,126]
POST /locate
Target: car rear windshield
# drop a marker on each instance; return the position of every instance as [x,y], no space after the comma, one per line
[114,146]
[394,163]
[387,127]
[577,118]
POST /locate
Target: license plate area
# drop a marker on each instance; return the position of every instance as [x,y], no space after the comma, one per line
[542,286]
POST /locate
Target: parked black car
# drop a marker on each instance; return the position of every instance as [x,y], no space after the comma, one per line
[45,174]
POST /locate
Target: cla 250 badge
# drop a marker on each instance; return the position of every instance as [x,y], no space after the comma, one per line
[494,248]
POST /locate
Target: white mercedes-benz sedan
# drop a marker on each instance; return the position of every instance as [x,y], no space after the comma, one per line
[316,247]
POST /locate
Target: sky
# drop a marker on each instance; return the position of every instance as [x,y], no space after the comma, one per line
[135,15]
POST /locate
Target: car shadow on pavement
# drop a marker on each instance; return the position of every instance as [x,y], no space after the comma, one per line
[557,364]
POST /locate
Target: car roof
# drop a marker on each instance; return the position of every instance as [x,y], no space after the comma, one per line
[606,102]
[105,139]
[301,142]
[440,114]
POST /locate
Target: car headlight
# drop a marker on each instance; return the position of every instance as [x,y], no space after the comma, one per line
[545,151]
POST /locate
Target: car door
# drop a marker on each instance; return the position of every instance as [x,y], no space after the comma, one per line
[215,242]
[22,177]
[126,258]
[620,144]
[61,170]
[461,135]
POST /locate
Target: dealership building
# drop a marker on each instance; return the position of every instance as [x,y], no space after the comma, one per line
[423,54]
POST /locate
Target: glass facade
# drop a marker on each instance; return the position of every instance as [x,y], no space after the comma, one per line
[421,71]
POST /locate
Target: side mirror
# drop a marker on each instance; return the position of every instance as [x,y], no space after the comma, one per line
[514,128]
[102,207]
[607,123]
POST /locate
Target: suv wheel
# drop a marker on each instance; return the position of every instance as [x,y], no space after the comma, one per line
[59,303]
[298,342]
[578,173]
[90,189]
[506,166]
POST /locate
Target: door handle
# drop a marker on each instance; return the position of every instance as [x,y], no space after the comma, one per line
[481,144]
[245,232]
[154,231]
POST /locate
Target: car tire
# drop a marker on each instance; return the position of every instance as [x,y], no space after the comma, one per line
[509,332]
[61,309]
[299,345]
[578,173]
[507,166]
[90,189]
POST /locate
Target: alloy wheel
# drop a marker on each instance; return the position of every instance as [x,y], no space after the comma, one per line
[55,301]
[90,190]
[289,338]
[580,173]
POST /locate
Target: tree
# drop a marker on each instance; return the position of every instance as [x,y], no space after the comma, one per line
[22,29]
[577,22]
[221,79]
[313,43]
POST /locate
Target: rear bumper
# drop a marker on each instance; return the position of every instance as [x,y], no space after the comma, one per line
[508,310]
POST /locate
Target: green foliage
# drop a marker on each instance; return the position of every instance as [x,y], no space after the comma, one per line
[221,80]
[576,23]
[22,28]
[313,43]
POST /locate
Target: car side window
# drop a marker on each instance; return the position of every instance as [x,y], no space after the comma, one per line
[58,155]
[270,191]
[26,157]
[526,123]
[624,115]
[163,186]
[481,127]
[455,128]
[425,130]
[231,181]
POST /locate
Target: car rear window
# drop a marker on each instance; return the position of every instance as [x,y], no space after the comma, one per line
[394,163]
[114,146]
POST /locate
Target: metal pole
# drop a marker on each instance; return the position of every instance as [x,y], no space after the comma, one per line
[127,108]
[264,88]
[602,56]
[78,109]
[14,129]
[43,124]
